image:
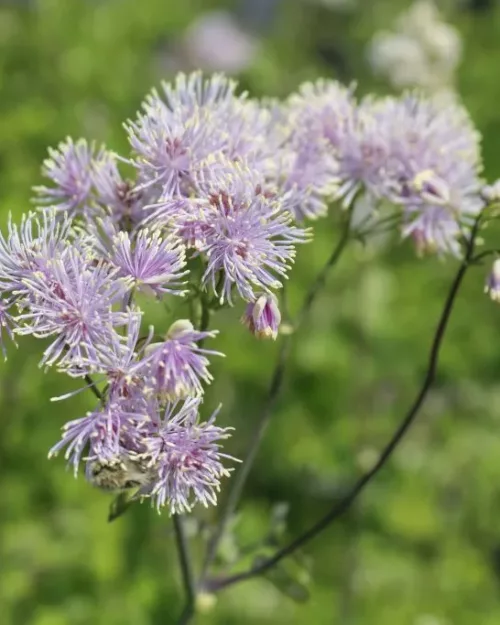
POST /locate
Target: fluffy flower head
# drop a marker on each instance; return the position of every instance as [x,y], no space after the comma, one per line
[69,167]
[178,366]
[186,455]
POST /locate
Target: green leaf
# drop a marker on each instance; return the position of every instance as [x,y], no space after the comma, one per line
[120,504]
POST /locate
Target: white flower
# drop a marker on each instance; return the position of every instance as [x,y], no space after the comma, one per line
[422,51]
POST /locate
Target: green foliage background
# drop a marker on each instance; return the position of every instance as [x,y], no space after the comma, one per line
[422,546]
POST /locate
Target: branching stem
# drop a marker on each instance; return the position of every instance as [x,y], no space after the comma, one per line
[273,392]
[347,501]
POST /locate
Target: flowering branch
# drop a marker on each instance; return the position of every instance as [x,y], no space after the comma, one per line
[240,479]
[344,505]
[202,187]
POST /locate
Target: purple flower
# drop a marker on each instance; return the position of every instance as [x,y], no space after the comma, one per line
[167,148]
[364,155]
[195,119]
[168,453]
[263,317]
[69,167]
[327,138]
[249,243]
[492,286]
[120,198]
[193,227]
[178,366]
[240,224]
[217,180]
[30,248]
[434,170]
[190,92]
[98,434]
[121,359]
[355,136]
[324,109]
[253,134]
[186,455]
[73,304]
[413,151]
[308,179]
[153,263]
[433,231]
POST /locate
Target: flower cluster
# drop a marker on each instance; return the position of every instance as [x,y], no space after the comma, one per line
[212,214]
[421,51]
[413,152]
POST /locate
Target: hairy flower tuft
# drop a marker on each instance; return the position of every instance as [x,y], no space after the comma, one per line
[152,263]
[186,455]
[73,305]
[69,167]
[178,366]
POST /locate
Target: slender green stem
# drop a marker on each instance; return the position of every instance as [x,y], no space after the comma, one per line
[385,224]
[341,507]
[479,257]
[188,576]
[93,387]
[130,299]
[274,389]
[205,315]
[186,569]
[320,280]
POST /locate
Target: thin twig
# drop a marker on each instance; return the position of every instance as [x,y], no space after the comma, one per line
[240,479]
[479,257]
[93,387]
[186,569]
[320,280]
[346,502]
[205,315]
[188,576]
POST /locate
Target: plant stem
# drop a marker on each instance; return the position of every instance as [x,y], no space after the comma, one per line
[188,576]
[186,568]
[205,315]
[346,502]
[274,389]
[93,387]
[479,257]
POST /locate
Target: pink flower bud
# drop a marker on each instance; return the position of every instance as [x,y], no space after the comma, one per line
[263,317]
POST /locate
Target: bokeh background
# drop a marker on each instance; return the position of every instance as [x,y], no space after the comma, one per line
[422,546]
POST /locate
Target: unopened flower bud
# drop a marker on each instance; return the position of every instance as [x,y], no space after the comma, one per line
[205,602]
[431,188]
[491,192]
[178,328]
[492,286]
[263,317]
